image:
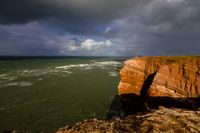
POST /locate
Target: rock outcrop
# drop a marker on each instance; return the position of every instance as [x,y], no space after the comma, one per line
[177,77]
[162,120]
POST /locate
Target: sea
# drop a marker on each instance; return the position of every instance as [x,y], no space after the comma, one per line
[42,94]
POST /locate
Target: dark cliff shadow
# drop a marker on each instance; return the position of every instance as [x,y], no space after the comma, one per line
[132,103]
[115,109]
[184,103]
[144,92]
[146,85]
[127,104]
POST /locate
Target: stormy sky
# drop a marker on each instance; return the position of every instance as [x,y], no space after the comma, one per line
[99,27]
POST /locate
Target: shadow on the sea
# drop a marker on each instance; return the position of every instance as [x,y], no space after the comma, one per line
[115,109]
[127,104]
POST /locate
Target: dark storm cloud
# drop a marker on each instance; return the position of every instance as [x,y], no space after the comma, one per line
[35,39]
[72,15]
[100,27]
[24,40]
[161,27]
[160,17]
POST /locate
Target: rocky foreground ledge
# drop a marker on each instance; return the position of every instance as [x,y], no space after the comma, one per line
[157,94]
[161,120]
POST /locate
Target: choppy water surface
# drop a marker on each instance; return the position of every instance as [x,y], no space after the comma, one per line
[44,94]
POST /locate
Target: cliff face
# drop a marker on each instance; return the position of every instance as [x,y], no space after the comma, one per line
[177,77]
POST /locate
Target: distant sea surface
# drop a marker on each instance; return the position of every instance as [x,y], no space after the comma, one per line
[42,95]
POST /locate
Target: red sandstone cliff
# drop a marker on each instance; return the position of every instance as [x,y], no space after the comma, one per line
[173,76]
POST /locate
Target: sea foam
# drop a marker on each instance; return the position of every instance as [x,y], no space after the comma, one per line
[90,65]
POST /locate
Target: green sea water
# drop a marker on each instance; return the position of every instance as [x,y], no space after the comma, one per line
[42,95]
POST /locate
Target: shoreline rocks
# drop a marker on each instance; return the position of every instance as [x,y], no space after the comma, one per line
[161,120]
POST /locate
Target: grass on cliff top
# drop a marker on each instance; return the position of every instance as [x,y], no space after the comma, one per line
[168,59]
[172,57]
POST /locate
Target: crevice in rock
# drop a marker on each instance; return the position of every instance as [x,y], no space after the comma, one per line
[146,85]
[144,92]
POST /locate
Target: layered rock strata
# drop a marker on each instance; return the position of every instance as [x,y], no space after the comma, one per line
[177,77]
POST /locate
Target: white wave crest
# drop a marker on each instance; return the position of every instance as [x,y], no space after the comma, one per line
[72,66]
[21,83]
[107,63]
[113,74]
[101,64]
[10,79]
[3,75]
